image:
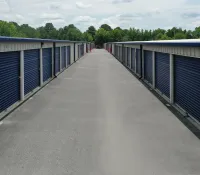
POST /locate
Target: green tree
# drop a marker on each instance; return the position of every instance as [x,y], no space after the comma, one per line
[179,35]
[87,37]
[9,29]
[196,32]
[28,31]
[106,27]
[91,30]
[101,37]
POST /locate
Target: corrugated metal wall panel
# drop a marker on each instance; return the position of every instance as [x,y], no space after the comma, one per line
[63,57]
[162,71]
[10,81]
[133,59]
[31,70]
[47,63]
[138,62]
[148,66]
[184,51]
[187,84]
[57,60]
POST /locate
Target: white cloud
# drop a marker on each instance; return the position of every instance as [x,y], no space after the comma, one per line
[84,19]
[123,13]
[51,16]
[82,6]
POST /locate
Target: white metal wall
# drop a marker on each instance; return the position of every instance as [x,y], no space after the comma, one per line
[185,51]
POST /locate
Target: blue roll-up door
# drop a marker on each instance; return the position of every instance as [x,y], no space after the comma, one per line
[162,71]
[68,55]
[31,70]
[138,62]
[57,60]
[148,66]
[187,84]
[133,59]
[10,81]
[47,63]
[63,57]
[128,57]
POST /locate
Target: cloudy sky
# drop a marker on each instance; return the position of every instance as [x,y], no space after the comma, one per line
[124,13]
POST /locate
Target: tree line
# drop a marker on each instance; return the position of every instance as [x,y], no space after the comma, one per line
[101,35]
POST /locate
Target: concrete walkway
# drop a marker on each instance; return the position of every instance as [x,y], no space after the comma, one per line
[96,119]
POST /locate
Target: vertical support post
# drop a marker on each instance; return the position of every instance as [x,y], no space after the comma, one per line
[52,61]
[123,53]
[130,57]
[22,75]
[60,59]
[172,78]
[141,59]
[135,60]
[74,52]
[66,56]
[41,67]
[153,70]
[143,64]
[54,58]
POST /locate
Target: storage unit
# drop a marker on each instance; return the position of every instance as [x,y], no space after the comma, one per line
[10,81]
[162,73]
[47,63]
[187,84]
[57,60]
[133,59]
[68,55]
[31,70]
[63,57]
[148,73]
[138,62]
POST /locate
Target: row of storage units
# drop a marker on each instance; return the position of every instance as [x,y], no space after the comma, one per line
[28,64]
[171,68]
[89,47]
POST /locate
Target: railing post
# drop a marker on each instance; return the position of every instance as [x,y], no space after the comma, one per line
[41,67]
[153,70]
[21,75]
[172,78]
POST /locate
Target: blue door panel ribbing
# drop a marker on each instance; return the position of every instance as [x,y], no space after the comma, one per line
[47,63]
[133,59]
[162,71]
[63,57]
[128,57]
[10,81]
[57,60]
[148,66]
[31,70]
[138,62]
[68,55]
[187,84]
